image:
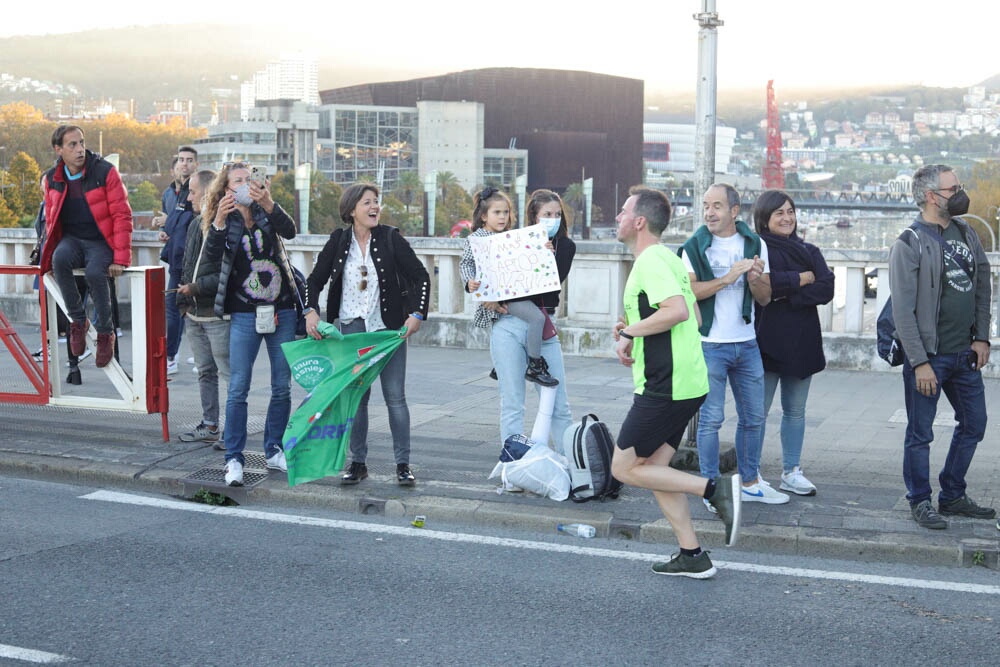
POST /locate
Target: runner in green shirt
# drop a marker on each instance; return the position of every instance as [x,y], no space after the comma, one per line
[660,341]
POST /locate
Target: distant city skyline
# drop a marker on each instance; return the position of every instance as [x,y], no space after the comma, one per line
[799,45]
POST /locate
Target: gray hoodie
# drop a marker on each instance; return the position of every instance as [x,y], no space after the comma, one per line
[915,270]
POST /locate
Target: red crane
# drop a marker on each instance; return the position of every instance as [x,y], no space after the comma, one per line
[774,176]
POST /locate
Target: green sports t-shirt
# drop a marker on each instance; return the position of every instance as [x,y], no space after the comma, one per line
[668,364]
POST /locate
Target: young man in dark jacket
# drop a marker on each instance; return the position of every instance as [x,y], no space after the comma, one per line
[939,277]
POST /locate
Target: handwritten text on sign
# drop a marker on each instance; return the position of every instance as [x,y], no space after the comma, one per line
[513,264]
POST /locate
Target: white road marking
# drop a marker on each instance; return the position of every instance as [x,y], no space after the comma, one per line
[31,655]
[146,501]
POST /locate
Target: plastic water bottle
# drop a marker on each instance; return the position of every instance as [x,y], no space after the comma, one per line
[578,529]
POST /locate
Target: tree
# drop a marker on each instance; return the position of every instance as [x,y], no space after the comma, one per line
[324,204]
[408,187]
[283,191]
[145,197]
[23,177]
[7,217]
[984,191]
[10,194]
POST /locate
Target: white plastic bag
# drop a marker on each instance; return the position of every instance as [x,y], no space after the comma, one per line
[540,471]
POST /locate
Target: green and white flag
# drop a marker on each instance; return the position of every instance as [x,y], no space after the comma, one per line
[336,371]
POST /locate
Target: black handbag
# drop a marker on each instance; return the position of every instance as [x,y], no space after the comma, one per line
[35,258]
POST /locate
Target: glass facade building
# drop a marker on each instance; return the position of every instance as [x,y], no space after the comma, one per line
[357,141]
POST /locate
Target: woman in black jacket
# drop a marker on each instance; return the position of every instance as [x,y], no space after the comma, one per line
[258,294]
[375,282]
[788,330]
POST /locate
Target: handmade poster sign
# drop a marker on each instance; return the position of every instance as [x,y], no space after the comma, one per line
[513,264]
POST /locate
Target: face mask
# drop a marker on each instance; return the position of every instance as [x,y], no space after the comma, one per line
[958,204]
[242,195]
[551,225]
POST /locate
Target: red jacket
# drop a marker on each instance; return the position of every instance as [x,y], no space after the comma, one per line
[108,202]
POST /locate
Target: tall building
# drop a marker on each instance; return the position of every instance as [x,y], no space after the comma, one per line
[572,125]
[291,77]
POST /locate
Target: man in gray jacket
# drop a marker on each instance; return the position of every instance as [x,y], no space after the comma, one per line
[939,278]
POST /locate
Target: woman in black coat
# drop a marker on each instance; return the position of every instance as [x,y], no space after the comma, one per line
[376,282]
[788,330]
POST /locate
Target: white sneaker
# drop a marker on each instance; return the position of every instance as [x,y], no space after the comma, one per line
[234,473]
[708,506]
[277,462]
[762,492]
[797,483]
[171,365]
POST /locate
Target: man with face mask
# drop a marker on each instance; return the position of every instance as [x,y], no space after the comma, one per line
[939,277]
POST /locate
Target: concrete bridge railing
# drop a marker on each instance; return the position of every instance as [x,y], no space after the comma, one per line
[591,302]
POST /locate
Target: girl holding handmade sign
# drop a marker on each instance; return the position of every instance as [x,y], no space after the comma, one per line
[491,215]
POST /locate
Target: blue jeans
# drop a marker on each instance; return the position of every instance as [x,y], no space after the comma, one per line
[740,363]
[393,379]
[244,344]
[964,389]
[794,392]
[210,346]
[175,322]
[508,348]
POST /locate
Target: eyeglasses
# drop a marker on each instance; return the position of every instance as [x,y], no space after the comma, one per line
[364,278]
[955,189]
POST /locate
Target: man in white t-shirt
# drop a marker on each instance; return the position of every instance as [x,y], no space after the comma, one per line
[728,266]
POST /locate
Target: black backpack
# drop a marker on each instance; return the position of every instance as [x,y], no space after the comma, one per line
[886,342]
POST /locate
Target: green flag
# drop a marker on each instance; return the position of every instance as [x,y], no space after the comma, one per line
[335,371]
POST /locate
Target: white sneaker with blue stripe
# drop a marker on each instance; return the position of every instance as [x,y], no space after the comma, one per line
[762,492]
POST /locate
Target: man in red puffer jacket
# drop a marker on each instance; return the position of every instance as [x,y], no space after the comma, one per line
[89,226]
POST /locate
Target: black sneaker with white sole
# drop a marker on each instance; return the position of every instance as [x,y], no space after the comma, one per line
[694,567]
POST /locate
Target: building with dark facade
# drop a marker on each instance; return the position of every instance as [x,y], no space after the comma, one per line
[573,124]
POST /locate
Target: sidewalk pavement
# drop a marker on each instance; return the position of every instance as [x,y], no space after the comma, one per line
[853,453]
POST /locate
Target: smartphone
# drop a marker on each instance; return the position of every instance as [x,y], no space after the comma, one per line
[258,174]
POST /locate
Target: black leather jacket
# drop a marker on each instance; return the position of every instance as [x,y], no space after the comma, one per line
[399,270]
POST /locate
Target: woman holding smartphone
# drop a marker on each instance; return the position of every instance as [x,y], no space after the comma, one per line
[259,297]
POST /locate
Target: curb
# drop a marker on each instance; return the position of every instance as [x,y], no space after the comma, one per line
[826,543]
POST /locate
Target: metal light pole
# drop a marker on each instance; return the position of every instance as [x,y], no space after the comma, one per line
[705,118]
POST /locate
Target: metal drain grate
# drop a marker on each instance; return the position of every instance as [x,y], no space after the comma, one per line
[213,478]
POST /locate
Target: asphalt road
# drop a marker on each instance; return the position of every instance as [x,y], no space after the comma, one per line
[111,578]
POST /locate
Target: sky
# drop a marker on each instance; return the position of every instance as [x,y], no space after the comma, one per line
[798,43]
